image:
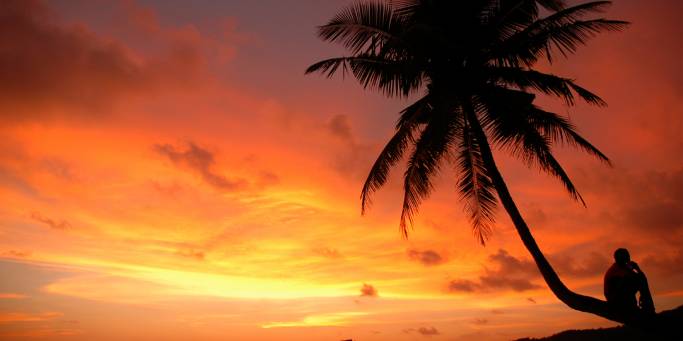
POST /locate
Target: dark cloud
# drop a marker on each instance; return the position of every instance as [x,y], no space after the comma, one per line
[426,257]
[498,282]
[424,331]
[16,253]
[268,178]
[327,252]
[509,273]
[59,169]
[194,254]
[531,299]
[649,202]
[200,161]
[668,265]
[340,127]
[535,216]
[53,224]
[509,263]
[354,157]
[463,285]
[46,62]
[591,265]
[480,321]
[428,331]
[368,290]
[656,216]
[50,62]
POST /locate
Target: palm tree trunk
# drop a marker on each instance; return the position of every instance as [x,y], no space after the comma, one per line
[573,300]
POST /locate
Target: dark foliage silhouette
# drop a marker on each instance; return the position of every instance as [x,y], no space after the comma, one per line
[473,62]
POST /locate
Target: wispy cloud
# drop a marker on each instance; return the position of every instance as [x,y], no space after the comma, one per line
[6,317]
[424,331]
[51,223]
[327,252]
[200,161]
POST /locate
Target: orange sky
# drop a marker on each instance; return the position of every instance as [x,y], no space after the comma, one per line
[167,172]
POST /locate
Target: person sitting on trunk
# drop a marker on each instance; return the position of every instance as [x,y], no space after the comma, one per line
[622,281]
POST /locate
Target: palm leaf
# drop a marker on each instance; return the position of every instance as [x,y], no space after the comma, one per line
[392,77]
[357,25]
[570,14]
[546,83]
[562,30]
[568,37]
[475,187]
[434,141]
[552,5]
[559,129]
[508,121]
[393,151]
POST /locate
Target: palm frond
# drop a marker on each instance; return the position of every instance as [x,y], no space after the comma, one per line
[407,8]
[393,151]
[475,187]
[505,18]
[329,67]
[568,37]
[546,83]
[559,129]
[535,149]
[360,24]
[511,128]
[562,31]
[552,5]
[586,95]
[570,14]
[435,140]
[416,112]
[392,77]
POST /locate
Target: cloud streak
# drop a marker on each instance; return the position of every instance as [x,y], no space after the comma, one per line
[423,331]
[426,257]
[200,161]
[510,273]
[7,317]
[51,223]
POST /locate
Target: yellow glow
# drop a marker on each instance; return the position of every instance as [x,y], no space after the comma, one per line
[335,319]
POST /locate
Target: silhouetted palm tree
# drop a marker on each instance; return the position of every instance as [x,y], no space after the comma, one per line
[474,62]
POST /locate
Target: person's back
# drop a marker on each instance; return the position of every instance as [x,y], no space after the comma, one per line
[621,286]
[622,281]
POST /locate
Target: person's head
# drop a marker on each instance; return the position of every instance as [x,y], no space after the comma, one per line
[621,256]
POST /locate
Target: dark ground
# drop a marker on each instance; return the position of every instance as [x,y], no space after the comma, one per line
[674,332]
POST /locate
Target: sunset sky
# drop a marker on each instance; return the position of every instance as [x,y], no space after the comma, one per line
[167,172]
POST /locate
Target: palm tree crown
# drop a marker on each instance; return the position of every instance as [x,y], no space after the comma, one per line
[473,63]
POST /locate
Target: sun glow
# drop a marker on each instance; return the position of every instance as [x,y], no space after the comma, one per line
[335,319]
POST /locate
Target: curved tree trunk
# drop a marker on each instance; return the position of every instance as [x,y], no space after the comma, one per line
[573,300]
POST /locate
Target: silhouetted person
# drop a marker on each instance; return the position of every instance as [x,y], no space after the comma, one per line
[622,281]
